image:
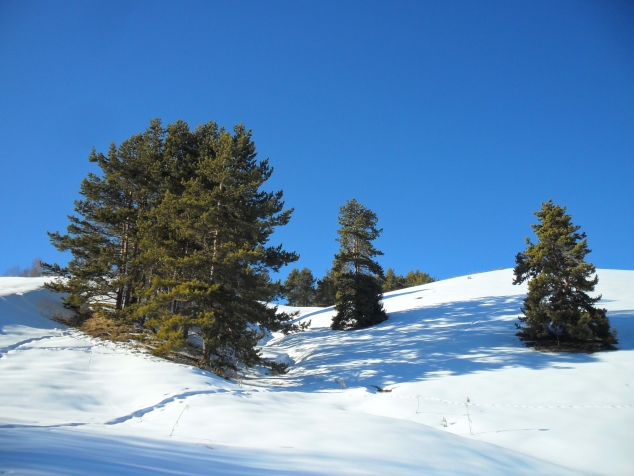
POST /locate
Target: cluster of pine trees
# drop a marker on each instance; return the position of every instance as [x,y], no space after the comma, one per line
[394,282]
[172,235]
[302,289]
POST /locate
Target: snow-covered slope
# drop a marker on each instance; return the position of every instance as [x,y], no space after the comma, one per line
[72,405]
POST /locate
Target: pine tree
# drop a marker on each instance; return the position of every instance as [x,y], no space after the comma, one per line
[325,293]
[299,287]
[102,237]
[357,277]
[557,305]
[208,255]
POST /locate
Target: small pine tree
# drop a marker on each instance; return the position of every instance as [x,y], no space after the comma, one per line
[325,293]
[557,304]
[416,278]
[392,281]
[357,277]
[299,287]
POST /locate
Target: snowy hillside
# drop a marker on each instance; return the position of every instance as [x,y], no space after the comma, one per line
[70,404]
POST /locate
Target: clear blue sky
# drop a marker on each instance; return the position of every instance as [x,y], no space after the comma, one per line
[452,120]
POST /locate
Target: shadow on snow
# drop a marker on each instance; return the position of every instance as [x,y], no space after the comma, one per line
[454,338]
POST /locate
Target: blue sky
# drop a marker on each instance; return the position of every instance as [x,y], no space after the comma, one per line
[451,120]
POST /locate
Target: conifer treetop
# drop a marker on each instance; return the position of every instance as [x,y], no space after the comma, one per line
[560,246]
[356,233]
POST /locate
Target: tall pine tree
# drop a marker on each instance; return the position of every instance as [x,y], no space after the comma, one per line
[103,236]
[209,255]
[557,306]
[357,277]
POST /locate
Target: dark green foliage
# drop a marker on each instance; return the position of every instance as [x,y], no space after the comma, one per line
[173,236]
[357,277]
[393,282]
[325,293]
[103,237]
[358,303]
[299,287]
[557,304]
[416,278]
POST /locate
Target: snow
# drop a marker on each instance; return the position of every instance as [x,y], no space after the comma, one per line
[70,404]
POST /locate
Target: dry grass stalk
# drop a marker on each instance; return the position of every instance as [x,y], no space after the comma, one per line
[179,417]
[468,416]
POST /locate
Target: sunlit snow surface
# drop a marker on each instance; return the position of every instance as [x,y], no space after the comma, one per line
[70,404]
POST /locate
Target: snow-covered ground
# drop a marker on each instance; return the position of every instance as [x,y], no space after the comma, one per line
[70,404]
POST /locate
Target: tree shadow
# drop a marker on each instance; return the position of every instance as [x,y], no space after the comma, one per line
[31,308]
[623,322]
[447,339]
